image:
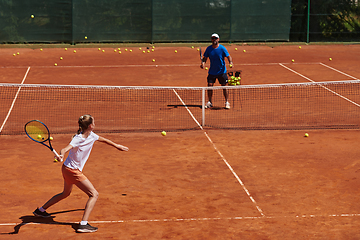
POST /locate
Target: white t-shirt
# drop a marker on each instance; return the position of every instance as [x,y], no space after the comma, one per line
[80,152]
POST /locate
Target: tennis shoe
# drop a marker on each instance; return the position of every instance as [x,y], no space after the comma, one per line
[86,228]
[208,104]
[227,105]
[39,213]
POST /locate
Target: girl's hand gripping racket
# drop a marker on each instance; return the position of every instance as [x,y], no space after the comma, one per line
[38,132]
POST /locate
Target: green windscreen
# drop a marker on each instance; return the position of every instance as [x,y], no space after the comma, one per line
[143,20]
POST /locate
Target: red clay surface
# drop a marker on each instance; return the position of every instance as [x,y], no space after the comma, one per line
[179,186]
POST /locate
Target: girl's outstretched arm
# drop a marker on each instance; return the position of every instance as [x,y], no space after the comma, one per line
[62,152]
[111,143]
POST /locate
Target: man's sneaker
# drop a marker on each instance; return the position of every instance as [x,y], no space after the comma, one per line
[208,105]
[86,228]
[39,213]
[227,105]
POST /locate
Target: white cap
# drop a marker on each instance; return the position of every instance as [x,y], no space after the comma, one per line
[215,35]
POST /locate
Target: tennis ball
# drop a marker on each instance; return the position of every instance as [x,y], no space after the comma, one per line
[192,46]
[139,48]
[149,50]
[206,68]
[119,52]
[153,46]
[119,49]
[40,49]
[152,50]
[299,47]
[65,49]
[85,37]
[99,49]
[125,49]
[306,135]
[39,136]
[144,51]
[153,60]
[55,64]
[103,50]
[163,133]
[61,58]
[292,60]
[175,51]
[330,59]
[55,160]
[51,138]
[235,49]
[114,50]
[17,53]
[231,65]
[244,50]
[14,54]
[130,50]
[74,51]
[32,16]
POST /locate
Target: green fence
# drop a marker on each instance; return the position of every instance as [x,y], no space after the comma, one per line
[330,20]
[143,20]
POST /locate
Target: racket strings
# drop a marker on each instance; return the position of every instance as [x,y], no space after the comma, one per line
[37,131]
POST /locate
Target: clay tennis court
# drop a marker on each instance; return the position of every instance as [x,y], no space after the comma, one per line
[197,184]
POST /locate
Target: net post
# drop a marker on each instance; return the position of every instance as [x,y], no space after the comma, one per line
[203,107]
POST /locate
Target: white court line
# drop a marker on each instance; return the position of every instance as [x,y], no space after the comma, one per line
[152,65]
[222,157]
[200,219]
[13,102]
[337,94]
[339,71]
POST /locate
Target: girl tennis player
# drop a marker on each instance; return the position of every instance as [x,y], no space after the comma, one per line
[80,148]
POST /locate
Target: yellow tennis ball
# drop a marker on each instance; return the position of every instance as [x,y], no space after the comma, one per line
[61,58]
[51,138]
[32,16]
[330,59]
[235,49]
[292,60]
[40,49]
[175,51]
[65,49]
[192,46]
[306,134]
[206,68]
[231,65]
[99,49]
[119,52]
[85,37]
[17,53]
[103,50]
[74,51]
[55,64]
[14,54]
[39,136]
[55,160]
[299,47]
[153,60]
[244,50]
[163,133]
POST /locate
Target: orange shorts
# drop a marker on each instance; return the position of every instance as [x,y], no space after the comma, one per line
[72,176]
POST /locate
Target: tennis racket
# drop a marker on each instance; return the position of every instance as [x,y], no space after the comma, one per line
[39,132]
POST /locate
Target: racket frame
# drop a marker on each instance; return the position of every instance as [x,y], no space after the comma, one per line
[43,141]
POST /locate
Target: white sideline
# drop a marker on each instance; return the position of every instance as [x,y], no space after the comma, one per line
[13,102]
[222,157]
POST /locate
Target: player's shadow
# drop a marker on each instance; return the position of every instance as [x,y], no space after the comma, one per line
[28,219]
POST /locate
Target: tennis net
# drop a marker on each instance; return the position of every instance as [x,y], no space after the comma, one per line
[333,105]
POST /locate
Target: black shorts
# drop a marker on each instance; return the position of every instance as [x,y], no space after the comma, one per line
[223,78]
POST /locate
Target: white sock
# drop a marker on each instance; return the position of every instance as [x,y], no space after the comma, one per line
[83,222]
[42,210]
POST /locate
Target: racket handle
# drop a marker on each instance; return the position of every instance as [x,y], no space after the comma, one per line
[57,155]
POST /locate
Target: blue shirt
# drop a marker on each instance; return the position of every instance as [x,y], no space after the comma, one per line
[217,59]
